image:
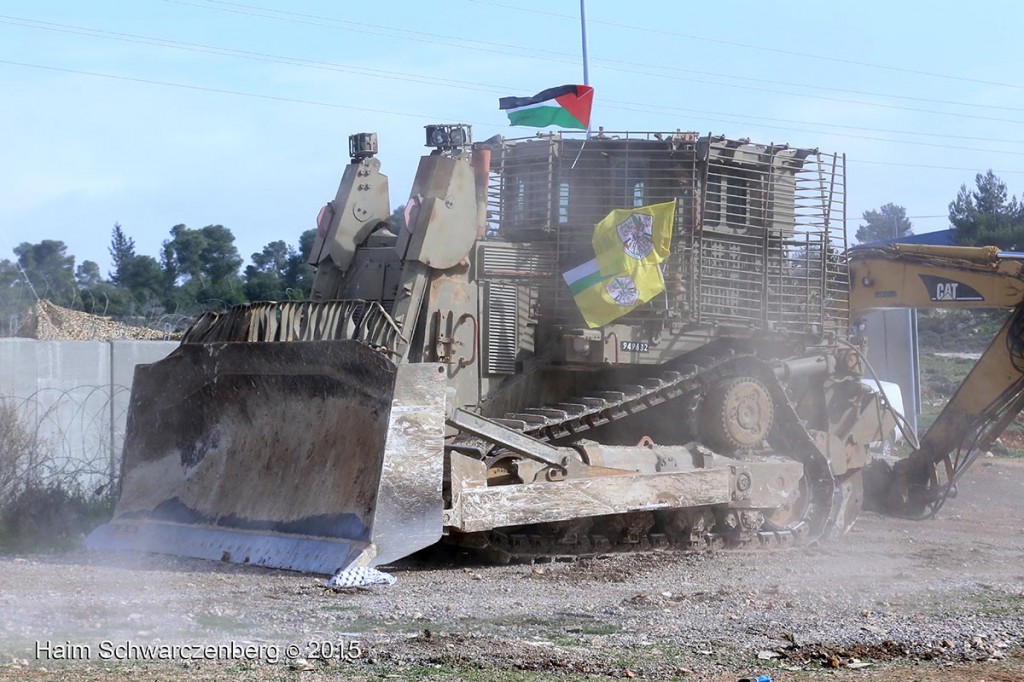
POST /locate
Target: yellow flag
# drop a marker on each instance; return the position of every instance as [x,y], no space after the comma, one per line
[604,299]
[633,235]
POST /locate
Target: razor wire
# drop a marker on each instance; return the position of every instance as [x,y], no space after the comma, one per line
[76,432]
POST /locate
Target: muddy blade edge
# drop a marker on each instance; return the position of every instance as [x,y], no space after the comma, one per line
[274,454]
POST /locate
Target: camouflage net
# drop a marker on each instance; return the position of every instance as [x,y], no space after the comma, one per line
[50,322]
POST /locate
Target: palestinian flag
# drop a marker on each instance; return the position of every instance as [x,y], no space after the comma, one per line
[567,106]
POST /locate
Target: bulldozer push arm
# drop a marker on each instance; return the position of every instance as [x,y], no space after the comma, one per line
[992,394]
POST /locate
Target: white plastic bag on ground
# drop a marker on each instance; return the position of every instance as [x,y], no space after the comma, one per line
[360,577]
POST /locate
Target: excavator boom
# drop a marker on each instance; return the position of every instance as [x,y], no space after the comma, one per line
[992,394]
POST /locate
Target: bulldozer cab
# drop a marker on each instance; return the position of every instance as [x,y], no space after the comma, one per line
[758,236]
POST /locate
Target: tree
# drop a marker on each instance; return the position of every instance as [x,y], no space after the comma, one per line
[206,262]
[888,222]
[207,255]
[300,272]
[144,280]
[220,255]
[136,284]
[10,275]
[170,270]
[97,295]
[987,215]
[265,278]
[50,270]
[397,220]
[280,271]
[122,251]
[87,275]
[184,249]
[15,297]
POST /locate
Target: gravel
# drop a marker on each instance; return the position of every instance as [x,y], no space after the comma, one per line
[50,322]
[900,596]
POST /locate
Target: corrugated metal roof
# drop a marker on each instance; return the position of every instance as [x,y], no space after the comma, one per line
[937,238]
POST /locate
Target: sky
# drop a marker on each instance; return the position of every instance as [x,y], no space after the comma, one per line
[151,113]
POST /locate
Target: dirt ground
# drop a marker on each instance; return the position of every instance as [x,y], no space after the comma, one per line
[894,600]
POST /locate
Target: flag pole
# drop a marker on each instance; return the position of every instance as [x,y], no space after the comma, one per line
[586,69]
[583,34]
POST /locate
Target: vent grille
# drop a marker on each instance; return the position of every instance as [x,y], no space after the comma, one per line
[501,328]
[511,262]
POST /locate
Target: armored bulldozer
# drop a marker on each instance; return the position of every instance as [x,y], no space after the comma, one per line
[478,373]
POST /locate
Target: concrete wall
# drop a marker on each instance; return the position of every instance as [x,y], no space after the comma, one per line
[74,394]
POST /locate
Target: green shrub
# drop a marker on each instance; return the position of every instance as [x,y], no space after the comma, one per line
[19,453]
[40,508]
[51,517]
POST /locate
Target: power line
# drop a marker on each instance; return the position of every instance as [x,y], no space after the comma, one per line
[830,99]
[231,52]
[406,114]
[733,43]
[921,165]
[373,29]
[908,98]
[853,136]
[821,124]
[615,61]
[909,217]
[446,82]
[522,51]
[223,91]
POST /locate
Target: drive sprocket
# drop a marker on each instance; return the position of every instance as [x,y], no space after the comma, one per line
[736,414]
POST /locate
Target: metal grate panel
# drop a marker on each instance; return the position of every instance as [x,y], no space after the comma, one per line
[501,326]
[515,261]
[759,239]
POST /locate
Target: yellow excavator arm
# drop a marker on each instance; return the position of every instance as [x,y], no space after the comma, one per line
[992,394]
[925,276]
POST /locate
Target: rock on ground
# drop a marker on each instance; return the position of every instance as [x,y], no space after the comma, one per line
[912,599]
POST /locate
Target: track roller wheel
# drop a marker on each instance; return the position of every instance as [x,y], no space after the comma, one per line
[631,528]
[736,414]
[688,528]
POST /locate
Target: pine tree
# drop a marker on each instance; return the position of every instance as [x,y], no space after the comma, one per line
[888,222]
[122,253]
[988,215]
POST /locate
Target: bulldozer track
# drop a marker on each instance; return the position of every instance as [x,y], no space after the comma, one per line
[651,531]
[568,418]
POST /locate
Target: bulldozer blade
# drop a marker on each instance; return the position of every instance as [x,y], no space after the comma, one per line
[311,456]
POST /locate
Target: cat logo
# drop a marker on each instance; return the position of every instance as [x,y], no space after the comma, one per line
[944,289]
